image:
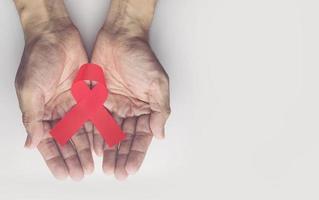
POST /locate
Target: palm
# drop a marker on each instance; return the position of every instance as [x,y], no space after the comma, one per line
[43,82]
[137,85]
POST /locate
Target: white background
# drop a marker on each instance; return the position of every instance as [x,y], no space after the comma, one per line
[245,105]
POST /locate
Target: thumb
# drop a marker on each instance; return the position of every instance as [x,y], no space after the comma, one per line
[31,103]
[157,123]
[159,102]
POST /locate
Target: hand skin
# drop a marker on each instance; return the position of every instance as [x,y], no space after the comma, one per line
[53,53]
[138,85]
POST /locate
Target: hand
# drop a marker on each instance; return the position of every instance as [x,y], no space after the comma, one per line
[49,63]
[138,98]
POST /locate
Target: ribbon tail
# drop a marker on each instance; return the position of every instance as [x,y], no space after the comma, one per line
[68,125]
[107,126]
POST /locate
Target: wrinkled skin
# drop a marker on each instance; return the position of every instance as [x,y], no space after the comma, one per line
[138,99]
[49,63]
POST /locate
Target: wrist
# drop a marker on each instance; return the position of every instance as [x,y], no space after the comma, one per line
[131,18]
[42,16]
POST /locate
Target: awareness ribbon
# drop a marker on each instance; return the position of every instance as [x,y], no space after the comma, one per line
[90,106]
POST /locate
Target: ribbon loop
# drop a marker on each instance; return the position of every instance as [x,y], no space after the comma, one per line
[89,107]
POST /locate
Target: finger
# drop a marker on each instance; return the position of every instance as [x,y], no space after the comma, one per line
[157,123]
[52,156]
[71,158]
[31,103]
[82,146]
[77,152]
[109,157]
[159,102]
[141,141]
[98,142]
[62,105]
[72,161]
[124,148]
[109,154]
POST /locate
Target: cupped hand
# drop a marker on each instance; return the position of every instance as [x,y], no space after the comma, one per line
[43,81]
[138,98]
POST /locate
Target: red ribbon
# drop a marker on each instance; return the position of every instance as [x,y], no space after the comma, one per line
[89,107]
